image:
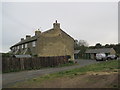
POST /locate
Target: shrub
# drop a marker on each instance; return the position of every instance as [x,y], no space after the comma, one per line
[71,62]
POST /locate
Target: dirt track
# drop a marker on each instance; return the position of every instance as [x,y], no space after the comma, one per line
[84,81]
[88,80]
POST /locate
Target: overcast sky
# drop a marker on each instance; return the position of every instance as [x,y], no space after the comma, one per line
[91,21]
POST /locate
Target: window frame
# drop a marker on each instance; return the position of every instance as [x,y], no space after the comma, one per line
[18,47]
[22,46]
[34,44]
[26,45]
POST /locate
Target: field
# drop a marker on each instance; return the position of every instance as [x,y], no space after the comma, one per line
[100,75]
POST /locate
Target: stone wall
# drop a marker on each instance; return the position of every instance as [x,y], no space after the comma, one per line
[57,44]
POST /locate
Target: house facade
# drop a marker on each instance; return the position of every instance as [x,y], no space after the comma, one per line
[91,53]
[53,42]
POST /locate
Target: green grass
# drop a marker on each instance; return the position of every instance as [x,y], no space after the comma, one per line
[102,66]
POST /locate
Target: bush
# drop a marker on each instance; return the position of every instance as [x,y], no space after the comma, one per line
[71,62]
[6,55]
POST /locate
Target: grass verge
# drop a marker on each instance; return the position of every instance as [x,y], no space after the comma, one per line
[102,66]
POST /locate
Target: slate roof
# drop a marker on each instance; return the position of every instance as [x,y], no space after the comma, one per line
[22,56]
[25,41]
[35,38]
[101,50]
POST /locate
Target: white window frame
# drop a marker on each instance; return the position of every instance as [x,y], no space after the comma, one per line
[26,45]
[34,44]
[13,49]
[18,47]
[22,46]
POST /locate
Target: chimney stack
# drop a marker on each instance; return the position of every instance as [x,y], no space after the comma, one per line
[56,25]
[22,39]
[37,32]
[28,36]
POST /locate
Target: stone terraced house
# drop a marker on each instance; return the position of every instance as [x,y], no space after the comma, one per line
[53,42]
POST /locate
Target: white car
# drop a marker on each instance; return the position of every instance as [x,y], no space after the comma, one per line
[111,57]
[101,56]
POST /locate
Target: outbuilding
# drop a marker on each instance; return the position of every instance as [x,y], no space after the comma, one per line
[91,53]
[76,54]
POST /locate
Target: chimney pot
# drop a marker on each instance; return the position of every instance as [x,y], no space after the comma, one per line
[37,32]
[56,25]
[28,36]
[22,39]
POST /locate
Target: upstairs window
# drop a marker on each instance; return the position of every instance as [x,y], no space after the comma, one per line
[22,46]
[12,48]
[33,43]
[18,47]
[15,48]
[25,45]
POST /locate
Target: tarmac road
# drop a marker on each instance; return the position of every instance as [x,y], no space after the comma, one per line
[9,79]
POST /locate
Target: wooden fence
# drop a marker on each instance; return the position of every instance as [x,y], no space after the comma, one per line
[17,64]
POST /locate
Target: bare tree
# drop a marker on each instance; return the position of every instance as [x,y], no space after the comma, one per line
[83,43]
[80,44]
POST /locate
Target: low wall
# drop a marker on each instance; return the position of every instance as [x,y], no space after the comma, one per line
[17,64]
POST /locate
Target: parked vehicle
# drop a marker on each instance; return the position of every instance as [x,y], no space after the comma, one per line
[111,57]
[101,57]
